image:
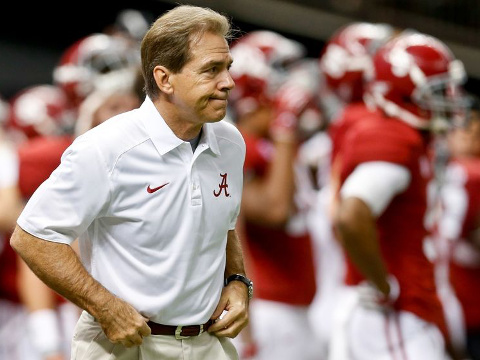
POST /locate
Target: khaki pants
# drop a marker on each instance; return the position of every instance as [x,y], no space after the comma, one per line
[90,343]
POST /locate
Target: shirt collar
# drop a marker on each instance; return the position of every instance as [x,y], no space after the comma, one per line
[163,137]
[209,138]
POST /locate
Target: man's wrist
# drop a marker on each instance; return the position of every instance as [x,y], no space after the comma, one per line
[244,279]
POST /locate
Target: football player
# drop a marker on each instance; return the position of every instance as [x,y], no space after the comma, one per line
[394,310]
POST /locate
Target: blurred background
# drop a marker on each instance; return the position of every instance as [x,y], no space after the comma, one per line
[32,41]
[42,121]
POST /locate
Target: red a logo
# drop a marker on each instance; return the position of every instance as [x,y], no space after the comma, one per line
[222,186]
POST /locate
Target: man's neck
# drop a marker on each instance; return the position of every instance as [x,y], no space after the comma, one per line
[184,130]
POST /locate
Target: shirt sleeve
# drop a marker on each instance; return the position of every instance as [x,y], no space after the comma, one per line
[65,205]
[376,183]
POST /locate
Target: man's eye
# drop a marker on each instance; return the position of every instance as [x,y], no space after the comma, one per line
[213,69]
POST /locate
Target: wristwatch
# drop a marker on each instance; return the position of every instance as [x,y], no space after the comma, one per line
[244,279]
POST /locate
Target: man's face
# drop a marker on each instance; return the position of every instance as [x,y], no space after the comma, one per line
[201,88]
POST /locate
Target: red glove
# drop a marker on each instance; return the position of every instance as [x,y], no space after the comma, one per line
[289,103]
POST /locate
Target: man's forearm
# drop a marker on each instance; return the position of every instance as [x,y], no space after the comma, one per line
[234,263]
[58,266]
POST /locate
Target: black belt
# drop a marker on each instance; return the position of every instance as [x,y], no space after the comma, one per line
[180,331]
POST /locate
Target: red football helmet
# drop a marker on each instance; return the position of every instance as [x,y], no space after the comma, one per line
[279,51]
[417,79]
[39,110]
[90,57]
[261,62]
[252,76]
[346,57]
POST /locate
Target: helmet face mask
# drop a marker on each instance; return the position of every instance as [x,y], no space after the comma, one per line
[443,98]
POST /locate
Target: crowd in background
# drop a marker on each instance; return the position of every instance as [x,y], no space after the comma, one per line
[360,212]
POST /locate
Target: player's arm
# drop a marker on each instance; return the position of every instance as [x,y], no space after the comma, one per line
[364,196]
[268,200]
[355,228]
[58,266]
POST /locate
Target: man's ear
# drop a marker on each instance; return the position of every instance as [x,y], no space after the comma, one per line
[162,78]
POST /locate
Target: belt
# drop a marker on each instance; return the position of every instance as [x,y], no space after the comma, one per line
[180,331]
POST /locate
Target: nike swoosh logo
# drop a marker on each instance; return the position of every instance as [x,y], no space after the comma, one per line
[152,190]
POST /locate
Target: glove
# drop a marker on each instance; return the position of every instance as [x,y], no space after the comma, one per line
[289,103]
[371,298]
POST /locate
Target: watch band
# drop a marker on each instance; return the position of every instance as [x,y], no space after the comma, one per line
[244,279]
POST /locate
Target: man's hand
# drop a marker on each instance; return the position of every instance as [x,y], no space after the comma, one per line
[122,323]
[231,314]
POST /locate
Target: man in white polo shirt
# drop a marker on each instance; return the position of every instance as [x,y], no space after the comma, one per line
[153,196]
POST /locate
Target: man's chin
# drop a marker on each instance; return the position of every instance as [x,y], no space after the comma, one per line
[217,115]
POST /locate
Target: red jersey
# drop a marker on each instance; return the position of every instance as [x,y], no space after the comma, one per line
[348,117]
[8,270]
[463,178]
[282,264]
[401,230]
[37,160]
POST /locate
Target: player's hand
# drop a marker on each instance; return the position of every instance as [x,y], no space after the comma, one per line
[123,324]
[297,94]
[371,298]
[290,102]
[231,314]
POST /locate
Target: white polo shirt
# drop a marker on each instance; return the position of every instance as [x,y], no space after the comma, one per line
[152,216]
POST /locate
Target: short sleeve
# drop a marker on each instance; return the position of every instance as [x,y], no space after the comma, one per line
[376,183]
[76,193]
